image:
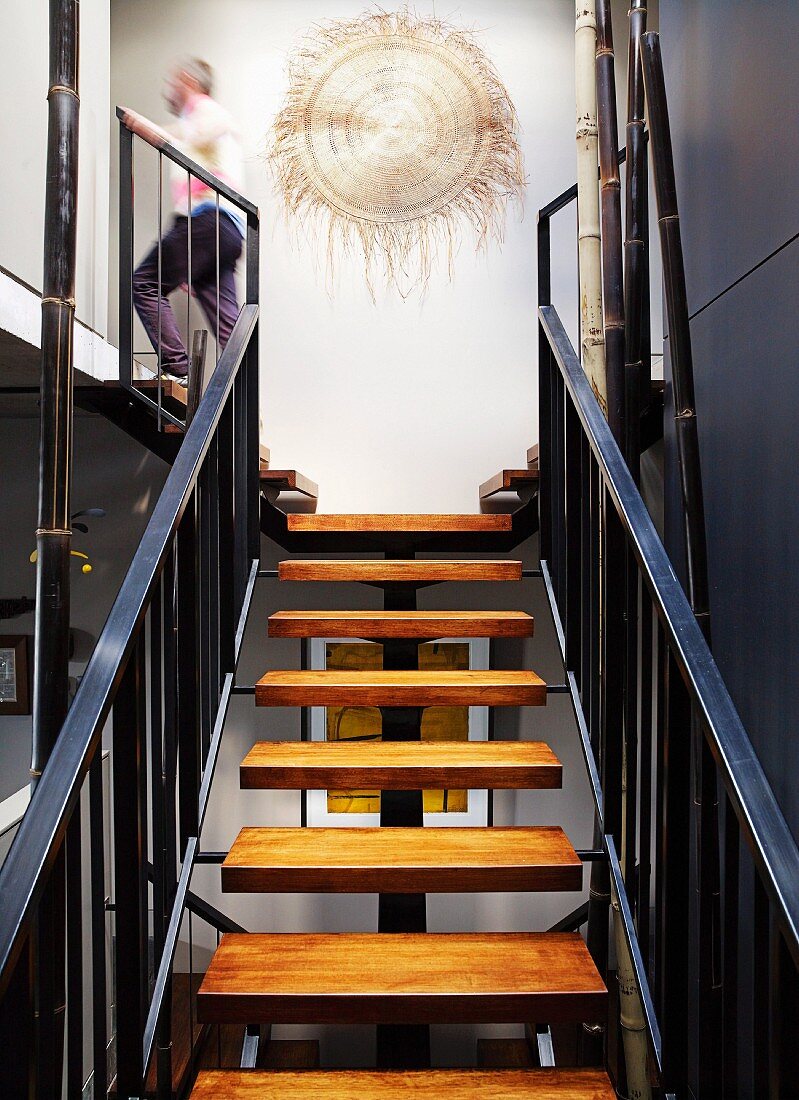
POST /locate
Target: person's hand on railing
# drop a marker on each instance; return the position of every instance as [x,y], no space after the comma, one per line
[145,129]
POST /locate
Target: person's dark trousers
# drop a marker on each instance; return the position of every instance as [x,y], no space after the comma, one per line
[175,273]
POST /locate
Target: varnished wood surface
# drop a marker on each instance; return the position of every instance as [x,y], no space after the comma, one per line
[401,860]
[419,571]
[398,765]
[348,978]
[437,1084]
[308,688]
[264,456]
[508,481]
[532,455]
[170,391]
[417,522]
[401,624]
[289,481]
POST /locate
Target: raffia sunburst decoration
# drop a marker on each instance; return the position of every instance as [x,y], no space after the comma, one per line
[396,131]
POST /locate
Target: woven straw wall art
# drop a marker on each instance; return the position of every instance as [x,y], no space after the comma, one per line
[396,132]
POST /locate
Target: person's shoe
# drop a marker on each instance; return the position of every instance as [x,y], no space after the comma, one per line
[181,379]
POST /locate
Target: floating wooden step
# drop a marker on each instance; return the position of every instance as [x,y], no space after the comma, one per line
[418,571]
[393,523]
[170,390]
[437,1084]
[532,456]
[293,688]
[403,860]
[289,481]
[388,978]
[400,765]
[264,456]
[401,624]
[509,481]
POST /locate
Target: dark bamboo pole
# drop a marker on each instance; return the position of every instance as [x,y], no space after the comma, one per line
[51,646]
[708,982]
[50,690]
[636,273]
[610,203]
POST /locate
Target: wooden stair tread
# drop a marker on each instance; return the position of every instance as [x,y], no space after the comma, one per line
[401,624]
[288,481]
[391,522]
[401,765]
[170,390]
[437,1084]
[401,860]
[508,481]
[328,688]
[264,456]
[401,978]
[532,456]
[419,571]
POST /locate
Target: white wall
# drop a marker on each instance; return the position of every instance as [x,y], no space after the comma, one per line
[23,139]
[400,404]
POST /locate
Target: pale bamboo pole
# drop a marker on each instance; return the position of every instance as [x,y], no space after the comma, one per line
[631,1013]
[592,333]
[610,201]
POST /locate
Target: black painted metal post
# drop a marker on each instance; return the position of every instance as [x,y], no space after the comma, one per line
[188,671]
[18,1070]
[251,368]
[130,879]
[98,928]
[545,369]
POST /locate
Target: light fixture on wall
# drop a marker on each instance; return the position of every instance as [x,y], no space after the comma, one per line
[396,131]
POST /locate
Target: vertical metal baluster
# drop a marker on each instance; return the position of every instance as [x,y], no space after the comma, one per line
[628,854]
[159,824]
[168,797]
[158,364]
[227,548]
[98,927]
[586,626]
[217,276]
[188,264]
[659,664]
[213,572]
[731,930]
[761,991]
[74,941]
[126,223]
[784,1037]
[188,673]
[545,377]
[204,596]
[130,885]
[252,418]
[594,715]
[573,517]
[674,878]
[645,779]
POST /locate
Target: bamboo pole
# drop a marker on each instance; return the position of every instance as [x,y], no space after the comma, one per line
[636,265]
[610,199]
[592,334]
[51,645]
[50,690]
[707,868]
[631,1013]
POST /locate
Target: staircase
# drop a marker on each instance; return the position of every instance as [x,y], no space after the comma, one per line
[401,978]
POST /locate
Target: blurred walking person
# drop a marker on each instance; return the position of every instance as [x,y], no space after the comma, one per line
[206,133]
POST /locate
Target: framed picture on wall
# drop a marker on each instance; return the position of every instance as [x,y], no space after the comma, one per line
[351,808]
[14,679]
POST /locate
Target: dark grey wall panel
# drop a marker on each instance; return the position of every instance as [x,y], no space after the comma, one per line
[733,86]
[748,396]
[733,83]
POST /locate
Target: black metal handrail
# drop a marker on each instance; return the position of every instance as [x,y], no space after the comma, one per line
[762,822]
[42,829]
